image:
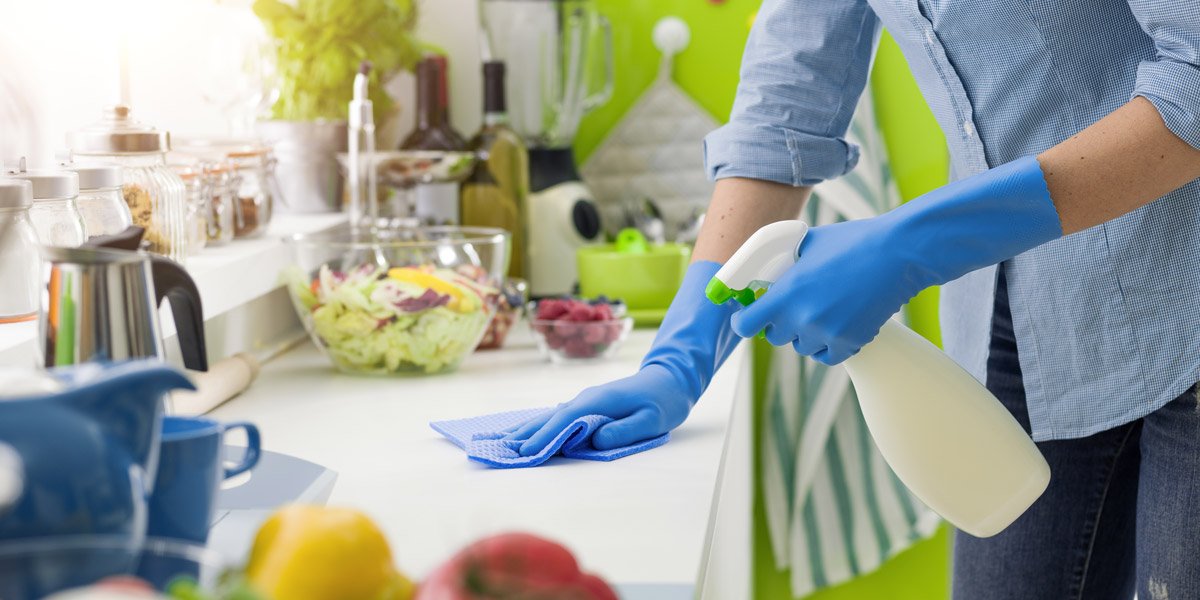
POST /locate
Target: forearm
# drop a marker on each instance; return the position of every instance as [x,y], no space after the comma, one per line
[1120,163]
[739,207]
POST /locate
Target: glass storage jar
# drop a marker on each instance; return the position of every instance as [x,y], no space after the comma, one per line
[20,265]
[55,218]
[154,193]
[223,185]
[196,190]
[100,201]
[256,190]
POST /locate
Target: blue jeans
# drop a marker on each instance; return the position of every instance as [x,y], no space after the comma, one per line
[1122,512]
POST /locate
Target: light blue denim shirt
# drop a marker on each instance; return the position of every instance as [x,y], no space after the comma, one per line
[1108,319]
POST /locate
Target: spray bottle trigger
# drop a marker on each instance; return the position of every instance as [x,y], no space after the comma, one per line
[762,335]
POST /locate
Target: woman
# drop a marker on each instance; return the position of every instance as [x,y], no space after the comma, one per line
[1067,245]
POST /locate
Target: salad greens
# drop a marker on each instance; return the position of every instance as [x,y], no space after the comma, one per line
[370,321]
[319,45]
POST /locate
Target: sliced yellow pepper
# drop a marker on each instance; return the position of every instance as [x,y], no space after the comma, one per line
[459,302]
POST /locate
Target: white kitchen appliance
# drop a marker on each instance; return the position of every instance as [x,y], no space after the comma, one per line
[560,66]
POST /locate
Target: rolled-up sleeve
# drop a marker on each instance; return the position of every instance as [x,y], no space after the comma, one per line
[803,70]
[1171,81]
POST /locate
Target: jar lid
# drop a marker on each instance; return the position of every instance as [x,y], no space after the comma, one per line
[98,176]
[249,152]
[117,133]
[15,193]
[49,184]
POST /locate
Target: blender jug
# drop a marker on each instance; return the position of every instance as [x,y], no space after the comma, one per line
[559,58]
[551,49]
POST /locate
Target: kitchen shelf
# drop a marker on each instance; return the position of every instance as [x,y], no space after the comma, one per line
[229,278]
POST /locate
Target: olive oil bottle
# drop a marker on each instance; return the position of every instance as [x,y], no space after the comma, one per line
[497,192]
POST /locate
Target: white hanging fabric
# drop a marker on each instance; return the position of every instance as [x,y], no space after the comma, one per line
[834,508]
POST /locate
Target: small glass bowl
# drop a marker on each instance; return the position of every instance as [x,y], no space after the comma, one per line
[563,341]
[514,295]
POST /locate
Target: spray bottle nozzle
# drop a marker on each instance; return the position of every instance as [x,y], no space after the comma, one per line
[361,81]
[719,293]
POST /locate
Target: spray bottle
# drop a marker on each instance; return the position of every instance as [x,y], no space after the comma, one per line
[943,433]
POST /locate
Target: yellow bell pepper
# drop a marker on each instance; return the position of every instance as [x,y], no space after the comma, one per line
[459,301]
[319,553]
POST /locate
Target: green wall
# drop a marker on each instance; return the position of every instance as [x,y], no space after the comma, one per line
[708,71]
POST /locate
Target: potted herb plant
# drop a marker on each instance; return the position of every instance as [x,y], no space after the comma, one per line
[318,47]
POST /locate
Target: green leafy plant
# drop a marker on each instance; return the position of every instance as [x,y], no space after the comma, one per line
[319,45]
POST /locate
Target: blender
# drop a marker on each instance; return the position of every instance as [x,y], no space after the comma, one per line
[559,59]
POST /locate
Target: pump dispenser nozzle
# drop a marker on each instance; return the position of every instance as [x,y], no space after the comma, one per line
[361,129]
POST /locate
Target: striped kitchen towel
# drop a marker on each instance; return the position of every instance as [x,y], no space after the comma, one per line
[834,509]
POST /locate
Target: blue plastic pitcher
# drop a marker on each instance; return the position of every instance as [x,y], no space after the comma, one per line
[88,450]
[87,440]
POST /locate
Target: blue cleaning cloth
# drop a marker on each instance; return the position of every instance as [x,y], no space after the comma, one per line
[482,438]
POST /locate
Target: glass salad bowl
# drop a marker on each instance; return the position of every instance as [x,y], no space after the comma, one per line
[397,300]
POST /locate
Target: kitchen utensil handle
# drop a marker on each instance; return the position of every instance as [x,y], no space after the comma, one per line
[253,448]
[605,93]
[173,283]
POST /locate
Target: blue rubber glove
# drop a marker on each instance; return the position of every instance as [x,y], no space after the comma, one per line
[693,341]
[851,277]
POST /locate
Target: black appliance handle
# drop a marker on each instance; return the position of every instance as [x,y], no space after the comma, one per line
[173,283]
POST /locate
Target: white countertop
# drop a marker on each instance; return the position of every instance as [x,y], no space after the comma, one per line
[639,519]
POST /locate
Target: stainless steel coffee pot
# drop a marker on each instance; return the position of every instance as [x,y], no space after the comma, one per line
[102,304]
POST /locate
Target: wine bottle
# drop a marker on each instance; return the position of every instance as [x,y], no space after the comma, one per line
[497,191]
[435,203]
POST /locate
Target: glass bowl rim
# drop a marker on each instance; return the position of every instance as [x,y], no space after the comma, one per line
[615,319]
[342,236]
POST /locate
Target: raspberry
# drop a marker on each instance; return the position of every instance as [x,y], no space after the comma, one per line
[551,309]
[578,348]
[594,333]
[612,331]
[602,312]
[566,329]
[554,341]
[580,313]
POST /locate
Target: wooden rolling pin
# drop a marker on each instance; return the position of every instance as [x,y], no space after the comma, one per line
[224,380]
